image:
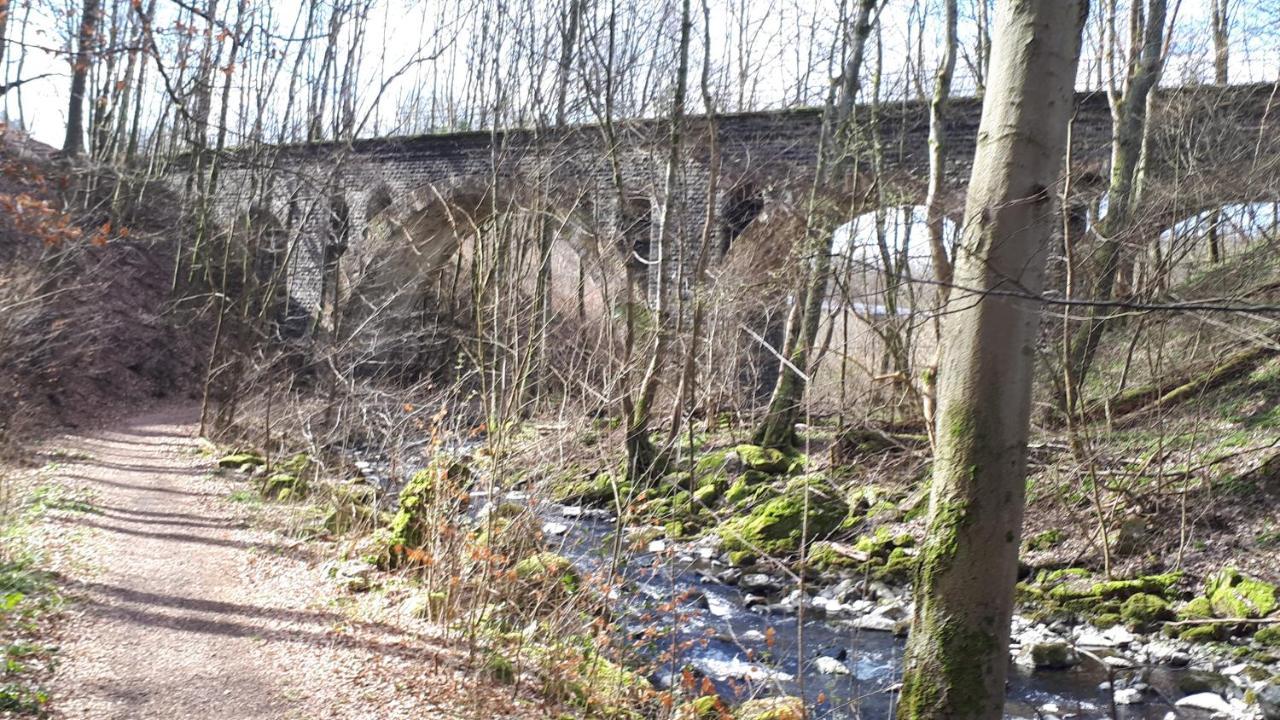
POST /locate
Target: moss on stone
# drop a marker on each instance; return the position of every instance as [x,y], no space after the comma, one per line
[1142,611]
[897,568]
[787,707]
[441,481]
[709,491]
[1234,595]
[712,463]
[297,463]
[776,527]
[1197,609]
[1106,620]
[749,488]
[283,486]
[1200,633]
[707,707]
[1150,584]
[238,460]
[769,460]
[1045,540]
[824,556]
[589,489]
[1268,636]
[548,570]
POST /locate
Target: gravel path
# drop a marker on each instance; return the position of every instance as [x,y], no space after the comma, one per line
[183,608]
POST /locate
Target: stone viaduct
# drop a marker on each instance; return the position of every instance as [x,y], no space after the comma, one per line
[414,197]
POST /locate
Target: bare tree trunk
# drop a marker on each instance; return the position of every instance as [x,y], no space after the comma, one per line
[957,658]
[777,429]
[73,145]
[641,455]
[935,216]
[1221,56]
[1129,113]
[4,24]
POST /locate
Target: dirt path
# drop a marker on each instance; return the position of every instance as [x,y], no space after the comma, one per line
[184,609]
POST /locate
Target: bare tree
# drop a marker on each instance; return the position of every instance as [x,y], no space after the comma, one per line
[835,153]
[1129,109]
[957,657]
[89,20]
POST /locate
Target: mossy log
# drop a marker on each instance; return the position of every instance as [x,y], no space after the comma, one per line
[1180,388]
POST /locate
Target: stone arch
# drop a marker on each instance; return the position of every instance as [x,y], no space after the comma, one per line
[416,243]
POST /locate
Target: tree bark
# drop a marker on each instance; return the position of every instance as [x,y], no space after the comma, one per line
[777,429]
[73,145]
[935,217]
[957,658]
[1129,113]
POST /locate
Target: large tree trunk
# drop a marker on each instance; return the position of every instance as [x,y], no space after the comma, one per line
[73,145]
[777,429]
[957,658]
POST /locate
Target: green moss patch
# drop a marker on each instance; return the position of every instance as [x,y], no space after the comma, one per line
[548,571]
[769,460]
[1233,595]
[1142,612]
[240,460]
[776,526]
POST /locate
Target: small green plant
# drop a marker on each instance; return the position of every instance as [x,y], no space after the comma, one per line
[246,496]
[57,497]
[18,698]
[1268,536]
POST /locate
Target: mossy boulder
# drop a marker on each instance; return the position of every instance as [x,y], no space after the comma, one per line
[1045,540]
[1076,584]
[298,463]
[1234,595]
[747,489]
[431,493]
[1142,612]
[898,568]
[1053,655]
[1197,609]
[777,526]
[239,460]
[1161,585]
[707,707]
[719,462]
[599,685]
[283,486]
[1105,620]
[787,707]
[709,490]
[824,555]
[1268,636]
[548,571]
[596,489]
[769,460]
[1201,633]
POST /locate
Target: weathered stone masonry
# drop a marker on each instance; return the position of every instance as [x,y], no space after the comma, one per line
[1212,144]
